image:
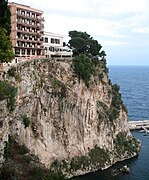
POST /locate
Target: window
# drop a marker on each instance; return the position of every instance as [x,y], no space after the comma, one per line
[23,51]
[33,52]
[28,52]
[46,40]
[52,49]
[52,40]
[55,41]
[17,51]
[58,41]
[38,52]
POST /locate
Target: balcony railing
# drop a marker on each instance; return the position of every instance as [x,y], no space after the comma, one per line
[30,17]
[27,32]
[29,25]
[28,40]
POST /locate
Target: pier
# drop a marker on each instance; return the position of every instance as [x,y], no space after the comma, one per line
[139,125]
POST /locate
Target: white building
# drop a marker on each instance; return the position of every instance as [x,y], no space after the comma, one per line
[53,45]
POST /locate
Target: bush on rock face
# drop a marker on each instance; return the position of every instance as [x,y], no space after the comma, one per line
[8,92]
[83,67]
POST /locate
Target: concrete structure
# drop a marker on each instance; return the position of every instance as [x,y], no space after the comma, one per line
[27,31]
[53,45]
[134,125]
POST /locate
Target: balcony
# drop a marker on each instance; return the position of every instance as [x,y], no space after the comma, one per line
[33,48]
[29,17]
[28,25]
[40,41]
[27,32]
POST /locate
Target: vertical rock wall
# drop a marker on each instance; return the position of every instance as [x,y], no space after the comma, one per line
[69,123]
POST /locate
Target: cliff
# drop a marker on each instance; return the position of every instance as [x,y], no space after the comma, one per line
[71,127]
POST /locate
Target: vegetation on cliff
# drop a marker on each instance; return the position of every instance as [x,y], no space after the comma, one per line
[5,21]
[125,145]
[6,53]
[97,158]
[83,67]
[83,43]
[20,164]
[87,52]
[8,92]
[116,103]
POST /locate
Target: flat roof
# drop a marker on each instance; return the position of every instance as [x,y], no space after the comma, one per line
[52,34]
[26,7]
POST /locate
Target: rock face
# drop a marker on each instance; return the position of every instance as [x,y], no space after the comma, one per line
[70,127]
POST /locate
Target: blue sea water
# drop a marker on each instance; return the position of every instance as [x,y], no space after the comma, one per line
[134,88]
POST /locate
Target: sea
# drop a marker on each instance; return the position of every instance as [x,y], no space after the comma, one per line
[134,88]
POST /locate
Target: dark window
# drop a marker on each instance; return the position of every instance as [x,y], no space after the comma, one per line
[17,51]
[38,52]
[23,51]
[46,39]
[33,52]
[52,40]
[28,52]
[52,49]
[25,37]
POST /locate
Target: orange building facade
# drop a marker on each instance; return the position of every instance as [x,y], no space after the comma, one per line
[27,30]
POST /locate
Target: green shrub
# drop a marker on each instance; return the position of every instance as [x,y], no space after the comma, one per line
[124,143]
[97,157]
[83,68]
[26,120]
[12,71]
[22,149]
[18,77]
[40,173]
[59,87]
[26,159]
[116,103]
[9,171]
[55,83]
[8,92]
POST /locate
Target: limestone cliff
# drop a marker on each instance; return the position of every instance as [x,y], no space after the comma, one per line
[70,127]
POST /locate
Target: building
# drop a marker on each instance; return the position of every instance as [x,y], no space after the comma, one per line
[54,46]
[27,31]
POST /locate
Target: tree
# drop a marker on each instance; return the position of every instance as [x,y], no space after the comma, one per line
[102,55]
[5,15]
[81,42]
[6,53]
[94,47]
[78,45]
